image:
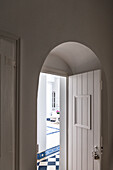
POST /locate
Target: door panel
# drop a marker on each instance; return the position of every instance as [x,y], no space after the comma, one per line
[84,120]
[97,117]
[7,104]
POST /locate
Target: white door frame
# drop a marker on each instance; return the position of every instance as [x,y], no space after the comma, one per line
[63,74]
[11,37]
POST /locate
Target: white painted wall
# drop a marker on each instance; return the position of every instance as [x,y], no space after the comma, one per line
[57,63]
[41,112]
[48,98]
[42,25]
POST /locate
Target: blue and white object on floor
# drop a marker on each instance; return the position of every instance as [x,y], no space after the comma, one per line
[51,163]
[48,152]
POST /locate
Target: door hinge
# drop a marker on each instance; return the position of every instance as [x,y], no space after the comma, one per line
[10,62]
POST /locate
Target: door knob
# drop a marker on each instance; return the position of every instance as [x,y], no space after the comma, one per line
[95,153]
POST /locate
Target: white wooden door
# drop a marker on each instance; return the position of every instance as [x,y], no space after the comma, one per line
[7,104]
[84,118]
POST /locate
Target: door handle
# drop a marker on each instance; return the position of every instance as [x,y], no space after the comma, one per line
[96,153]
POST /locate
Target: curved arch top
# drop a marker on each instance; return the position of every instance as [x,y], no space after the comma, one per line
[71,58]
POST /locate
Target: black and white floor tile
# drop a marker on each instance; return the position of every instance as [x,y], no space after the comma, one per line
[51,163]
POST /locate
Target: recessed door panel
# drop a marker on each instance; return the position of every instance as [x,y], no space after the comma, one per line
[82,109]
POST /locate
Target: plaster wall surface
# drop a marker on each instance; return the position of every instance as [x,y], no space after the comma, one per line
[41,114]
[42,25]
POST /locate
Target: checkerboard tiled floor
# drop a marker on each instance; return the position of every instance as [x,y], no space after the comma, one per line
[51,163]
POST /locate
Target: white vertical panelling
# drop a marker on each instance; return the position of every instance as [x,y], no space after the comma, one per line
[97,113]
[85,139]
[70,125]
[85,131]
[79,136]
[75,130]
[90,132]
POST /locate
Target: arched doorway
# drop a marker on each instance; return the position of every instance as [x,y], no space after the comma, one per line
[66,60]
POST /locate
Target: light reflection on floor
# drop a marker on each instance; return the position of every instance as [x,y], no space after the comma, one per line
[53,134]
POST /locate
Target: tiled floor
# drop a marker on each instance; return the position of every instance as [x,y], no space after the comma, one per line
[51,163]
[52,141]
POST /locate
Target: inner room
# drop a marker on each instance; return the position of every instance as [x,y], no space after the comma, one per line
[51,104]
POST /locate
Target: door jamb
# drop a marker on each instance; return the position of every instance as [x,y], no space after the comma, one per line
[16,40]
[67,116]
[63,74]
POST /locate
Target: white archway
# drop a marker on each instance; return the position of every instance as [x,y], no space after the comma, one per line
[72,58]
[67,59]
